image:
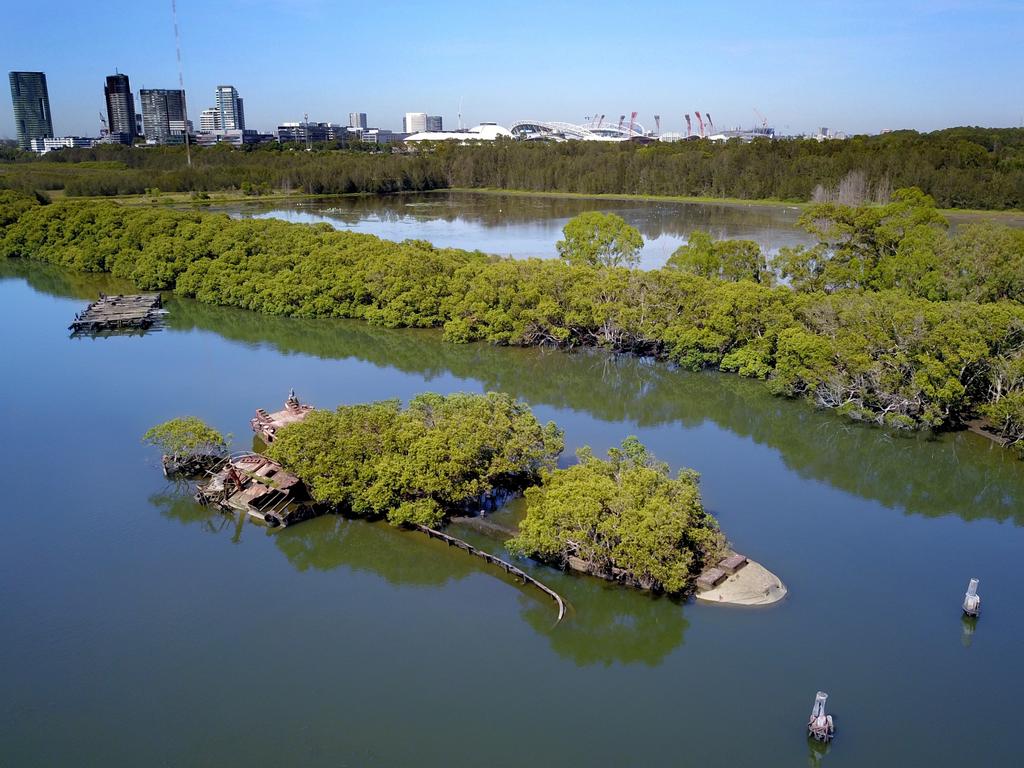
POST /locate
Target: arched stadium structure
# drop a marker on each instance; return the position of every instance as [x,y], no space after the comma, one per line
[544,130]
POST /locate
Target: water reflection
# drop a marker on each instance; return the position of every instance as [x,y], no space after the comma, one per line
[521,225]
[610,624]
[920,474]
[923,474]
[967,626]
[399,557]
[816,751]
[176,503]
[53,281]
[606,624]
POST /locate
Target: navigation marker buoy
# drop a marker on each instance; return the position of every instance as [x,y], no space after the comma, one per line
[972,601]
[820,725]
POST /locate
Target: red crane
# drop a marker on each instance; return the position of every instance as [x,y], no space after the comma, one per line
[632,120]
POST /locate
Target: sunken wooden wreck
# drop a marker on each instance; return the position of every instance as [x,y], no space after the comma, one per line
[120,314]
[261,488]
[190,466]
[266,425]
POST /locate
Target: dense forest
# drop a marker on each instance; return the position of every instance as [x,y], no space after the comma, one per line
[870,343]
[958,167]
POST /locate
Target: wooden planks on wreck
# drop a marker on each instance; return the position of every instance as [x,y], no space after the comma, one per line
[119,313]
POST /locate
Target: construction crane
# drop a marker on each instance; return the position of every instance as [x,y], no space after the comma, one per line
[689,128]
[106,128]
[700,122]
[181,80]
[764,120]
[657,125]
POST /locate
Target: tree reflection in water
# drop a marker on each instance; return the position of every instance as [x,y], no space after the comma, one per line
[924,474]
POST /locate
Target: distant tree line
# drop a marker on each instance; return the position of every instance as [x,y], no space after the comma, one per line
[108,170]
[928,341]
[958,167]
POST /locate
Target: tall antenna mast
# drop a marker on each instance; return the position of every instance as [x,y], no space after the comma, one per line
[181,80]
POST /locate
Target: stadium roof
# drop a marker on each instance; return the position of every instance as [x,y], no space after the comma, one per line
[482,132]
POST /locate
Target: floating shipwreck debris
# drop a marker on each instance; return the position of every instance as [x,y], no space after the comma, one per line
[119,314]
[261,488]
[820,725]
[738,580]
[266,424]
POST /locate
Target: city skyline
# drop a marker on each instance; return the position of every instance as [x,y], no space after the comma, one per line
[876,66]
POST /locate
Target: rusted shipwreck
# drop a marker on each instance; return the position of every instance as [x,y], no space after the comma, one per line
[266,425]
[261,488]
[120,314]
[256,484]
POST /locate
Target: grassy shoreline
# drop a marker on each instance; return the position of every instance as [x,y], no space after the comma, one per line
[704,200]
[736,201]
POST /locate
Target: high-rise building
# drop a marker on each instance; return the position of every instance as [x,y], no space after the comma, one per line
[31,107]
[120,108]
[414,122]
[209,120]
[434,123]
[357,120]
[163,114]
[229,105]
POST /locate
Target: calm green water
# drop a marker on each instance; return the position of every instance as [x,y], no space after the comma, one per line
[141,629]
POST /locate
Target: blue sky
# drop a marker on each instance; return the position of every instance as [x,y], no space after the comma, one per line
[855,66]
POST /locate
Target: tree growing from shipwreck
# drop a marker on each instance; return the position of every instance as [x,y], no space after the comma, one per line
[624,517]
[440,455]
[187,444]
